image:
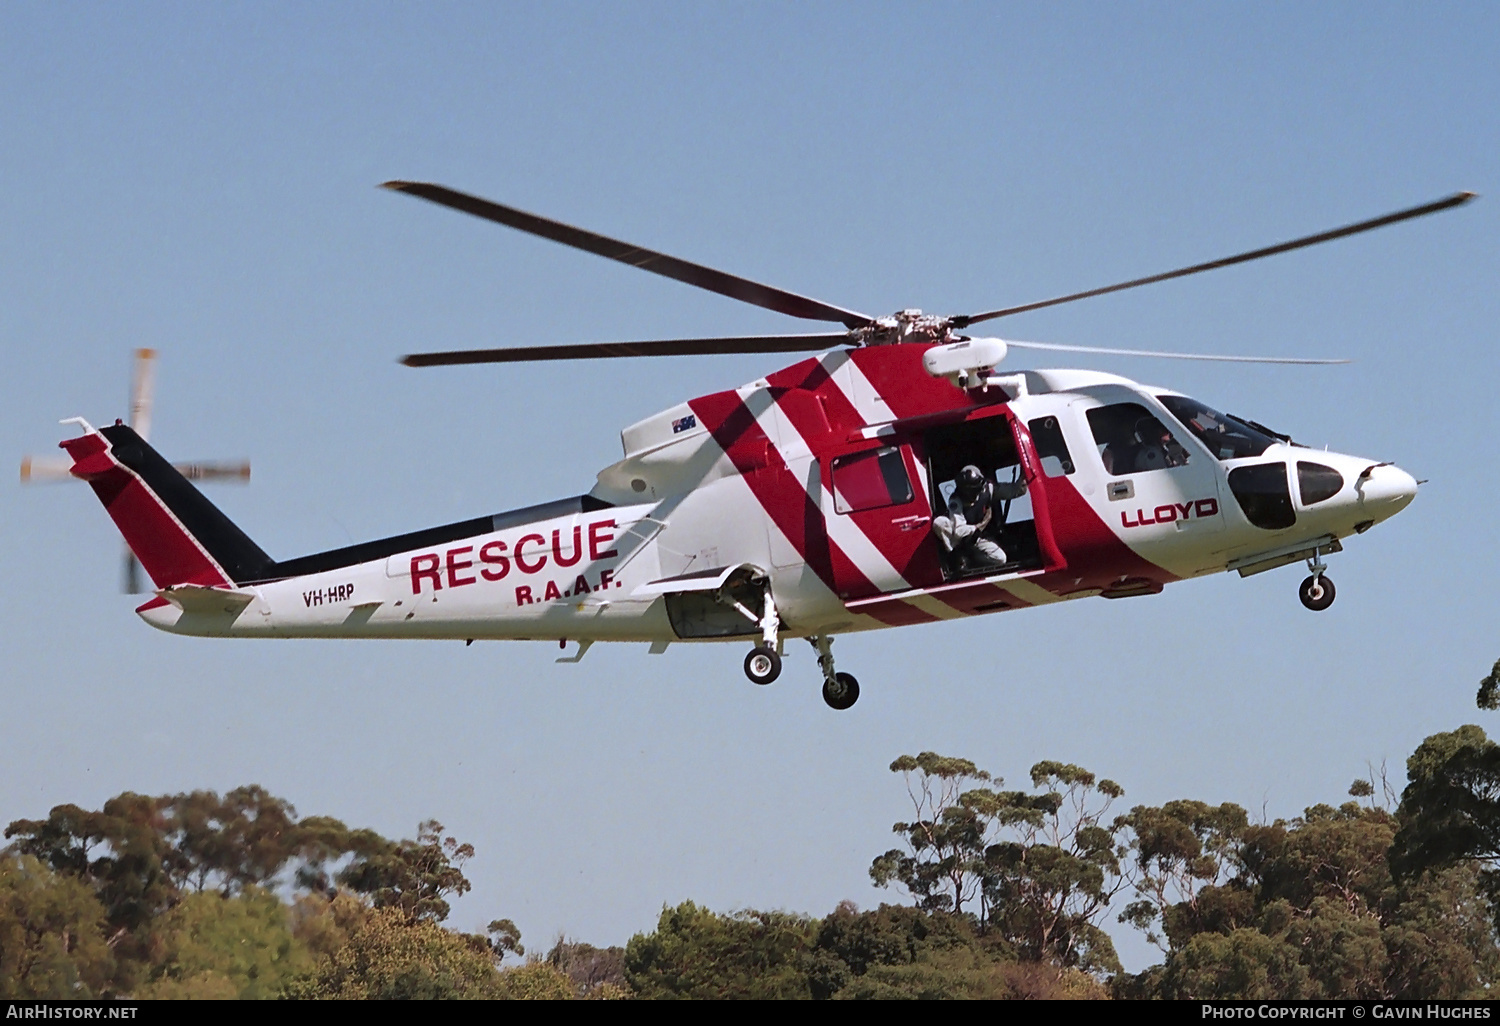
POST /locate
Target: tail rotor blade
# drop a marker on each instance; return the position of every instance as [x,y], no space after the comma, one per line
[214,470]
[142,387]
[131,583]
[45,469]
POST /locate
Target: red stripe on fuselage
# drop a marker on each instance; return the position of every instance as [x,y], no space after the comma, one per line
[784,498]
[897,375]
[813,376]
[811,379]
[813,402]
[826,428]
[1096,557]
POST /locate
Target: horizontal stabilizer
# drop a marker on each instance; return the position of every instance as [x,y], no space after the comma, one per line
[196,598]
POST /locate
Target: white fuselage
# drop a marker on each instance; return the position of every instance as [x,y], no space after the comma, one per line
[692,497]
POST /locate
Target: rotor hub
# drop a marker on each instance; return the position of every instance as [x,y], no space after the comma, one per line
[904,326]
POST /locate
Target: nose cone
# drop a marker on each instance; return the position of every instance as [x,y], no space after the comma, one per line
[1385,491]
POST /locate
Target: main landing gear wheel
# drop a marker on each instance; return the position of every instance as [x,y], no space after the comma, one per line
[1316,592]
[762,665]
[841,691]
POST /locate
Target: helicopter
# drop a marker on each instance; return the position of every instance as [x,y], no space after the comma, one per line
[897,476]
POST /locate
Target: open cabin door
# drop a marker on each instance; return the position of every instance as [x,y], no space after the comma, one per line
[895,491]
[1019,532]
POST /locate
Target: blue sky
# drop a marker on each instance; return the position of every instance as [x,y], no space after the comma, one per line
[201,178]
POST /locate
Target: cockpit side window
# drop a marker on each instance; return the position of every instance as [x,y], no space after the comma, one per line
[1226,437]
[1131,440]
[1051,447]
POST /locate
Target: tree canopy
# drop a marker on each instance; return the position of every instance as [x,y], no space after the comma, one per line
[198,895]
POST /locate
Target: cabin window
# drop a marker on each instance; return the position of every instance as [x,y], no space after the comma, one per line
[1051,447]
[869,480]
[1263,494]
[1228,438]
[1318,483]
[1132,440]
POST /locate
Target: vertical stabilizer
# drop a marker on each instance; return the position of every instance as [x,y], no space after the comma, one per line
[177,534]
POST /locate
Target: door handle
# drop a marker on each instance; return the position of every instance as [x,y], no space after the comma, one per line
[911,523]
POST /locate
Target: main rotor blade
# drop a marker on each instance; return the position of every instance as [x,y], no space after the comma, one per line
[1054,347]
[607,350]
[1457,199]
[725,284]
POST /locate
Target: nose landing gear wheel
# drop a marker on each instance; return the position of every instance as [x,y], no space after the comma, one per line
[762,665]
[1316,592]
[841,691]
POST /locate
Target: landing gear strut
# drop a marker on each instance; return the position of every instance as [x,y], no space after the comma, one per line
[1317,591]
[840,690]
[763,664]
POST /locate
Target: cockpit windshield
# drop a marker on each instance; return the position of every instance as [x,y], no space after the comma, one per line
[1226,437]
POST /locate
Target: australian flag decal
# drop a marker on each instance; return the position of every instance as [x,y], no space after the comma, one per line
[682,424]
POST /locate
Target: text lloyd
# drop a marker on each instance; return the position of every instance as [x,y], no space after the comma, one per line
[1195,510]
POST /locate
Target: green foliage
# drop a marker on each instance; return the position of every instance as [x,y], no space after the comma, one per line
[383,954]
[169,896]
[1450,810]
[415,876]
[1489,689]
[893,952]
[217,946]
[534,981]
[943,864]
[238,841]
[1244,965]
[176,896]
[51,934]
[1177,850]
[695,953]
[1055,869]
[1042,867]
[898,952]
[505,938]
[121,850]
[1300,909]
[141,854]
[595,972]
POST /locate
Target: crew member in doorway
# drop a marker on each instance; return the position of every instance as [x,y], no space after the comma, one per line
[973,521]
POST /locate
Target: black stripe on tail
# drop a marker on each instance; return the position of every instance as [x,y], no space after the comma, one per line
[231,548]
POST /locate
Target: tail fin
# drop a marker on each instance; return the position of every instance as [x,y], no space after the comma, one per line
[177,534]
